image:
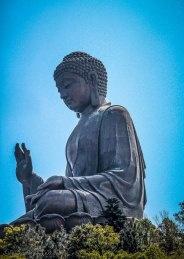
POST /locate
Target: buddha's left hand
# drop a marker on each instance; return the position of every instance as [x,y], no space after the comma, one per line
[33,198]
[52,183]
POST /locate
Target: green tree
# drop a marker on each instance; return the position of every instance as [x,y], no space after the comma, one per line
[137,235]
[179,217]
[169,235]
[113,214]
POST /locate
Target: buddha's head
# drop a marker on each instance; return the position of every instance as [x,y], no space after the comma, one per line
[81,81]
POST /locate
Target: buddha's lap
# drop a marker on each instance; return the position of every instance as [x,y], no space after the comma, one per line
[56,202]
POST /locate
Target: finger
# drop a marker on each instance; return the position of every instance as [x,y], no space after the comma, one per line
[20,152]
[43,186]
[38,196]
[28,197]
[19,155]
[16,152]
[26,152]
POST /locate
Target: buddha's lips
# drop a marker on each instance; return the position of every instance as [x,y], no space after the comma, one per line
[68,102]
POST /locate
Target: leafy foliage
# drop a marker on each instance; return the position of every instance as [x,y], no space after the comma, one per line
[113,214]
[13,256]
[18,239]
[137,235]
[179,217]
[91,238]
[123,238]
[33,242]
[152,252]
[170,236]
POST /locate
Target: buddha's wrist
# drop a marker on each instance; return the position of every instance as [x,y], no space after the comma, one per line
[28,181]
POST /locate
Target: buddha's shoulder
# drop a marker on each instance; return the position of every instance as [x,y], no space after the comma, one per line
[115,110]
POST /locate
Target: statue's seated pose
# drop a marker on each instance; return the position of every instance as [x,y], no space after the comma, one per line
[104,157]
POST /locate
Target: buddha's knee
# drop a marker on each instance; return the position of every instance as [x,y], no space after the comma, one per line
[56,202]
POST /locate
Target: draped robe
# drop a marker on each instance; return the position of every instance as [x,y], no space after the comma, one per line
[104,160]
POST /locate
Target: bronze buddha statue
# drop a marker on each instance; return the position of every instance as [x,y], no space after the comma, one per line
[104,156]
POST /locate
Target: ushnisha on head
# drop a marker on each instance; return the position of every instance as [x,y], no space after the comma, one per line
[81,80]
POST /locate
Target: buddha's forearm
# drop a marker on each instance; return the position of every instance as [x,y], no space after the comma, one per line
[26,191]
[31,186]
[35,182]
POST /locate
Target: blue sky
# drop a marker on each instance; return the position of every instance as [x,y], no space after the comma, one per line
[141,44]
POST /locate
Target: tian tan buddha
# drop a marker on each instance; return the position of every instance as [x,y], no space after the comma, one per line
[103,153]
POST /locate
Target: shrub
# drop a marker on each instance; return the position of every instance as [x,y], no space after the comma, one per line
[137,235]
[107,255]
[13,256]
[90,238]
[138,239]
[56,245]
[177,255]
[23,240]
[82,254]
[154,252]
[122,255]
[146,234]
[33,242]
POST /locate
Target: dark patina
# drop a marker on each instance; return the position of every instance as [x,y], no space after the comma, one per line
[104,157]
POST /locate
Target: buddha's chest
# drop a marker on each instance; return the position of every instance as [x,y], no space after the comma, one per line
[82,146]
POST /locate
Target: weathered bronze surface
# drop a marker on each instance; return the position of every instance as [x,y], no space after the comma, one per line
[104,157]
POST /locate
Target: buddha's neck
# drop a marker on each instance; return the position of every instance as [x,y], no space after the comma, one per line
[91,108]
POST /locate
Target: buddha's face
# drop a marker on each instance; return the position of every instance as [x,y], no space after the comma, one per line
[74,91]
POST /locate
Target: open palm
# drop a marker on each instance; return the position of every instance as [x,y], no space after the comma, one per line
[24,169]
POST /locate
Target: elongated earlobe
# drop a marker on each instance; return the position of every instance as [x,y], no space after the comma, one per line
[95,101]
[94,98]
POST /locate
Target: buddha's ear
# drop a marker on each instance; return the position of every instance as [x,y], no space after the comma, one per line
[93,79]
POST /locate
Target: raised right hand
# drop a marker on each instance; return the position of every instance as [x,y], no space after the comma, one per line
[24,168]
